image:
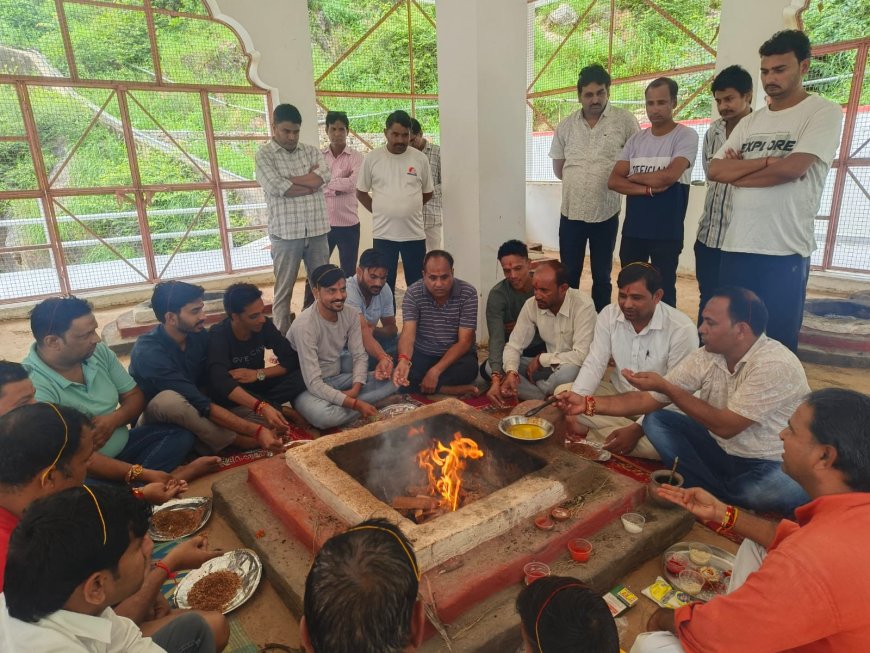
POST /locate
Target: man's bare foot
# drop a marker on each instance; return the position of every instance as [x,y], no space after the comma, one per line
[199,467]
[292,415]
[468,390]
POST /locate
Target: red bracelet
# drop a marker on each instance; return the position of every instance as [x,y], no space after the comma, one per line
[170,575]
[257,432]
[590,406]
[402,357]
[353,403]
[138,493]
[257,405]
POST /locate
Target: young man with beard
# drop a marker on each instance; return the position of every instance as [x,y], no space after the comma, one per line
[340,192]
[639,333]
[585,147]
[170,365]
[400,182]
[319,335]
[369,294]
[732,90]
[777,160]
[503,306]
[654,172]
[70,366]
[238,377]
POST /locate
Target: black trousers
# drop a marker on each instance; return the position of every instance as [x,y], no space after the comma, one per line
[412,252]
[663,254]
[279,389]
[347,241]
[707,261]
[601,236]
[462,372]
[780,282]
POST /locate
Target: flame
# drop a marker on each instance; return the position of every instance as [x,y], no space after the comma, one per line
[450,461]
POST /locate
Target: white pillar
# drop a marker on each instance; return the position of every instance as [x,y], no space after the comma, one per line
[481,87]
[275,33]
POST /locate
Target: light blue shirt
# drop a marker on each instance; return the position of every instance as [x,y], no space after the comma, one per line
[381,305]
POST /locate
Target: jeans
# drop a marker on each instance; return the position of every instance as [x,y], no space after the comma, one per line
[412,252]
[748,482]
[663,254]
[323,414]
[187,633]
[780,282]
[286,257]
[573,235]
[707,261]
[347,241]
[546,380]
[157,446]
[462,372]
[170,407]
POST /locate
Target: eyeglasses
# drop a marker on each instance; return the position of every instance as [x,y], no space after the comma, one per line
[404,546]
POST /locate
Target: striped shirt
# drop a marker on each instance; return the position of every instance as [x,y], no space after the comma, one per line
[438,325]
[292,218]
[717,205]
[340,192]
[432,208]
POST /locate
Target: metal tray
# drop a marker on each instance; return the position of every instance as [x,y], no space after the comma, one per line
[244,562]
[588,450]
[719,558]
[179,504]
[397,409]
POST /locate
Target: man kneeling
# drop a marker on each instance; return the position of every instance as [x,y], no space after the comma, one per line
[319,335]
[361,593]
[73,556]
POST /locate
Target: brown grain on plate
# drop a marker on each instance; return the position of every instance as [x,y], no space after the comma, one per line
[586,451]
[213,591]
[176,523]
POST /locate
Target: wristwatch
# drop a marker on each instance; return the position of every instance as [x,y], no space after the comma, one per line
[261,375]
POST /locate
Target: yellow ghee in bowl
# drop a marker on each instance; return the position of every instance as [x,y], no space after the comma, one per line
[526,431]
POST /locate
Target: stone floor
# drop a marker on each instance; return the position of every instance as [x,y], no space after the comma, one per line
[266,619]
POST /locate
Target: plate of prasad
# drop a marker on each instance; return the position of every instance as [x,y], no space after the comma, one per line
[179,518]
[588,449]
[714,567]
[221,584]
[526,429]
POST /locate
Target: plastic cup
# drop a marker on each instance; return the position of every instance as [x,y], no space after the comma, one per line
[633,522]
[691,582]
[580,550]
[535,570]
[676,562]
[699,554]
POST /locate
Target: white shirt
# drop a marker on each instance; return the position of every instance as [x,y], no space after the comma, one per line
[767,386]
[567,334]
[669,337]
[590,154]
[70,632]
[397,183]
[779,220]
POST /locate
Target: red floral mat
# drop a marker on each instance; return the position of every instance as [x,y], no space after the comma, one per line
[232,457]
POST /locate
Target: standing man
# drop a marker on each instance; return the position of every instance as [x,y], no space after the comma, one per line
[340,193]
[585,148]
[292,175]
[565,319]
[368,293]
[400,182]
[503,307]
[732,90]
[654,171]
[777,159]
[432,220]
[437,350]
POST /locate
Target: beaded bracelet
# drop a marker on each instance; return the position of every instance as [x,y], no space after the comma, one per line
[590,406]
[133,473]
[731,514]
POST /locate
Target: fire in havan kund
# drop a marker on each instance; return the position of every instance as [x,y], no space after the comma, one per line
[444,465]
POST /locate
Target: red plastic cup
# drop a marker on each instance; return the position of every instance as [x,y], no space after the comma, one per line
[580,550]
[534,571]
[676,562]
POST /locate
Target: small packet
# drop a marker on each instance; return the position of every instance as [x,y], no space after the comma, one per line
[620,599]
[664,595]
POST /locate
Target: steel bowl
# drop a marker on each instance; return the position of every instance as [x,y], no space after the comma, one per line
[520,420]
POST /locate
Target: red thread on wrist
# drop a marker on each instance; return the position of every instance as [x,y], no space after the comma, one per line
[170,575]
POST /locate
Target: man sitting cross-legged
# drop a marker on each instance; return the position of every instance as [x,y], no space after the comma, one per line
[565,319]
[73,556]
[727,437]
[170,365]
[319,335]
[361,593]
[641,333]
[238,376]
[793,586]
[439,319]
[369,294]
[69,365]
[503,306]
